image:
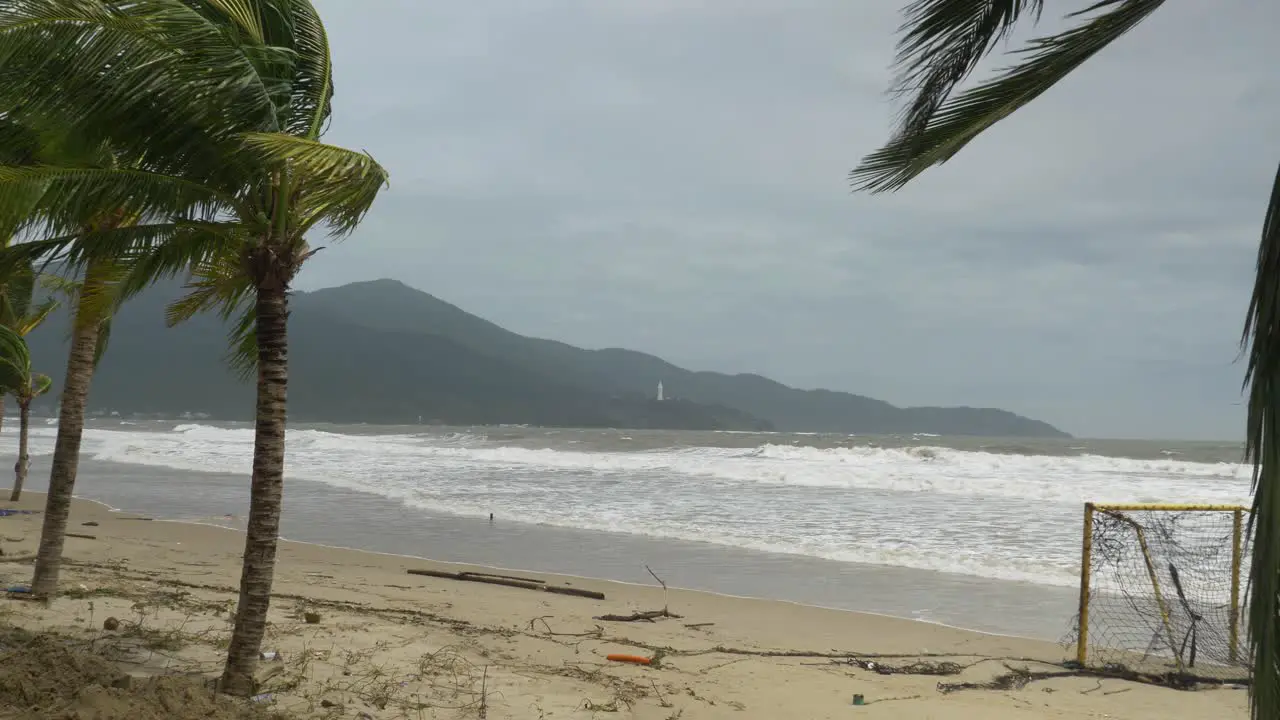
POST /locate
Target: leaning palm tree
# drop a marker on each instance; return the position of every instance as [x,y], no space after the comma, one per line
[27,141]
[20,314]
[220,104]
[942,43]
[16,377]
[19,144]
[36,385]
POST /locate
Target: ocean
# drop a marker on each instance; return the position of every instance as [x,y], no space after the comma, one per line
[976,533]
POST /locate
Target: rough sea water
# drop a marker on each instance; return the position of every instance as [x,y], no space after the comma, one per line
[973,532]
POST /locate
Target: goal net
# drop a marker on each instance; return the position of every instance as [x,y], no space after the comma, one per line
[1161,591]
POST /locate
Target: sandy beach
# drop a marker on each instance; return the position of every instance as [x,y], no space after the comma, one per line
[389,644]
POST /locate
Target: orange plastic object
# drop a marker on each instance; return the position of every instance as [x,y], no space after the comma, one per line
[637,659]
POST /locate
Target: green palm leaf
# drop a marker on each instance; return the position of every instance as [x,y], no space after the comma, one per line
[1262,378]
[943,42]
[957,121]
[15,362]
[219,285]
[118,65]
[72,198]
[334,185]
[313,74]
[40,384]
[29,322]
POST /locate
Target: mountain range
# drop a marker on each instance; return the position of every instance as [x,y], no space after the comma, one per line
[383,352]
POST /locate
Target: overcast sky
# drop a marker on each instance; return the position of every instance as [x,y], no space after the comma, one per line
[670,176]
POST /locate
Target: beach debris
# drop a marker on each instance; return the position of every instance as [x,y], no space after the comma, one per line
[663,583]
[505,577]
[311,617]
[262,698]
[623,657]
[859,700]
[917,667]
[698,626]
[6,512]
[18,589]
[1014,679]
[271,656]
[111,623]
[647,615]
[510,581]
[15,559]
[81,536]
[91,523]
[592,706]
[642,616]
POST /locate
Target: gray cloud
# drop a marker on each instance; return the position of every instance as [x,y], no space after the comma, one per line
[669,175]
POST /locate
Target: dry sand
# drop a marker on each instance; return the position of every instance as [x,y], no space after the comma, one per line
[393,645]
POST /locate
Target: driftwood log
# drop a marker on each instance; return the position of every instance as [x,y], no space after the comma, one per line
[645,616]
[510,581]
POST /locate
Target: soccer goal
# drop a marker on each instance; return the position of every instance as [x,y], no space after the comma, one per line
[1160,590]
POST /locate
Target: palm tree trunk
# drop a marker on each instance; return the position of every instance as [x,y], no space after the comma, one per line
[66,451]
[266,491]
[1,412]
[24,460]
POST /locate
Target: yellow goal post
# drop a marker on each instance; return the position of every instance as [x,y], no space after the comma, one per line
[1152,542]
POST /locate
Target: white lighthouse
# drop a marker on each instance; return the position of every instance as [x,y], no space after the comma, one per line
[661,397]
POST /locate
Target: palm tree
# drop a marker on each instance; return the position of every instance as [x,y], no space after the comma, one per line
[16,377]
[19,145]
[36,386]
[942,43]
[18,314]
[94,299]
[27,142]
[221,104]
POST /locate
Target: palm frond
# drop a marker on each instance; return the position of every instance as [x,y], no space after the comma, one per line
[244,14]
[190,245]
[19,143]
[309,107]
[40,384]
[942,43]
[243,342]
[16,290]
[29,322]
[220,285]
[70,198]
[15,361]
[959,120]
[98,292]
[140,74]
[55,283]
[121,244]
[334,185]
[1262,378]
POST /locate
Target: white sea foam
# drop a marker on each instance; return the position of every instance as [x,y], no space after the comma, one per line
[994,515]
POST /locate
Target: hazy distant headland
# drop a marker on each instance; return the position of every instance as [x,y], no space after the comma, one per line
[383,352]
